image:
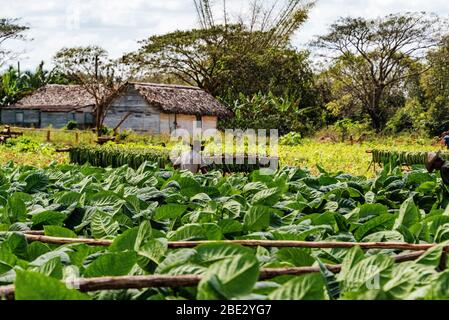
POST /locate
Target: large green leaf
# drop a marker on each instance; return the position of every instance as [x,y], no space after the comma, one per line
[36,286]
[125,241]
[229,278]
[367,273]
[111,264]
[308,287]
[57,231]
[408,214]
[296,256]
[48,218]
[169,211]
[103,225]
[213,252]
[257,218]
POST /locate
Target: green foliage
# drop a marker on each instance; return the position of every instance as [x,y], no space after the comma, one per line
[267,111]
[142,209]
[291,139]
[71,125]
[15,84]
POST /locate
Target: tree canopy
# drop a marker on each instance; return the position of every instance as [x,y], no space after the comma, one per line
[372,56]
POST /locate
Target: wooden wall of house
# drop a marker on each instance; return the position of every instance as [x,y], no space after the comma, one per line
[56,119]
[209,122]
[30,118]
[186,122]
[144,118]
[165,125]
[42,119]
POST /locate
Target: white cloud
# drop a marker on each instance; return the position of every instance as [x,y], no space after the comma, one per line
[118,24]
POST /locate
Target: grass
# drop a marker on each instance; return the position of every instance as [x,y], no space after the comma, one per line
[332,157]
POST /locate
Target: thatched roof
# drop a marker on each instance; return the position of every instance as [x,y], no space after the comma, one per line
[169,98]
[56,98]
[182,99]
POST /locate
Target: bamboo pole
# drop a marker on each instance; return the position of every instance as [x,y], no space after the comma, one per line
[165,281]
[250,243]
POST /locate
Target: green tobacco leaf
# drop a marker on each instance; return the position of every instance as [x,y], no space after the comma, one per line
[331,282]
[297,256]
[408,214]
[176,259]
[432,257]
[154,249]
[373,225]
[36,286]
[106,199]
[52,268]
[169,211]
[368,210]
[213,252]
[144,234]
[351,259]
[111,264]
[229,278]
[308,287]
[17,244]
[7,259]
[36,182]
[125,241]
[189,232]
[36,249]
[16,207]
[257,218]
[103,225]
[48,218]
[367,272]
[56,231]
[268,197]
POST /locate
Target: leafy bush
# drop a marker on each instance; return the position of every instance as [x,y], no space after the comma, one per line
[23,144]
[71,125]
[291,139]
[267,111]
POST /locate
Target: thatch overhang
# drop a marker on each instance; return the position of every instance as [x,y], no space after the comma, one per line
[56,98]
[182,100]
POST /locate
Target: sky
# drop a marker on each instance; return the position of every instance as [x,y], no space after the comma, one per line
[117,25]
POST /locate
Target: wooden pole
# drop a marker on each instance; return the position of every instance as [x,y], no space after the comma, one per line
[77,137]
[249,243]
[165,281]
[48,135]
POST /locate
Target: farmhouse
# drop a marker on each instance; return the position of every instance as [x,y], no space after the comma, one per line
[142,107]
[52,105]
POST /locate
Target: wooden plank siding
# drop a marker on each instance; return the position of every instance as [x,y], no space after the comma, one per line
[148,118]
[144,118]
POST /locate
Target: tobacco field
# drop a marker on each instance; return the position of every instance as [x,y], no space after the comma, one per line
[143,213]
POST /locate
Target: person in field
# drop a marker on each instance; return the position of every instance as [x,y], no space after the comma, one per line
[435,162]
[191,160]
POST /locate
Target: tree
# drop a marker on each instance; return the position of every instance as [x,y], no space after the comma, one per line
[102,77]
[226,62]
[372,57]
[435,84]
[251,50]
[10,29]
